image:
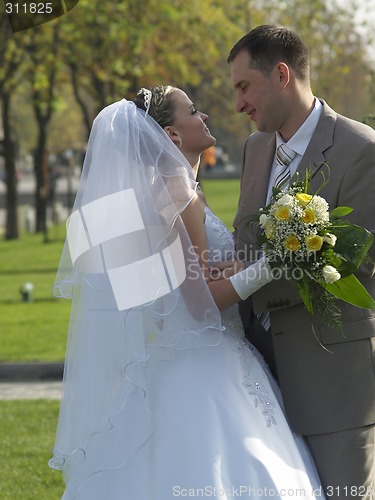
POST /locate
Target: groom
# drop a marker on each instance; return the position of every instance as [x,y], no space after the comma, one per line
[327,379]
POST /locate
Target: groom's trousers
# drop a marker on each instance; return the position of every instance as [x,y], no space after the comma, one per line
[340,459]
[257,335]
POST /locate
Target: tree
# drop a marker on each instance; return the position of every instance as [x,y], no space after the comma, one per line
[42,46]
[102,43]
[11,59]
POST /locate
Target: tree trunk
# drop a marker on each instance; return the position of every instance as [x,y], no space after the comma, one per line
[11,227]
[41,175]
[43,105]
[87,119]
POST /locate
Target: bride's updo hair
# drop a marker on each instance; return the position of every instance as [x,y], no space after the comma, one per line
[162,106]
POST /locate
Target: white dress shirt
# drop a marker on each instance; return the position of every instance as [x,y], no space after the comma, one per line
[298,142]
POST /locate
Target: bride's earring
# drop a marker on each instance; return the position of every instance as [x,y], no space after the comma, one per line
[180,143]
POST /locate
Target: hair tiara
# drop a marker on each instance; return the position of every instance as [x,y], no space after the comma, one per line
[147,96]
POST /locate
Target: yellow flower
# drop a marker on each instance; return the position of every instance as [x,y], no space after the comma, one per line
[282,213]
[303,198]
[292,243]
[308,216]
[314,242]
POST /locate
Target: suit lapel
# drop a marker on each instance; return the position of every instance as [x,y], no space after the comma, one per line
[254,185]
[322,139]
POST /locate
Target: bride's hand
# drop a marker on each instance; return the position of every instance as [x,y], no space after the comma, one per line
[226,269]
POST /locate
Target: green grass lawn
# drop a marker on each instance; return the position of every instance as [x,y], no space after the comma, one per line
[31,331]
[222,196]
[37,331]
[27,436]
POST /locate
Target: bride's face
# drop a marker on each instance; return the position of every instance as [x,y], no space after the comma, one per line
[190,126]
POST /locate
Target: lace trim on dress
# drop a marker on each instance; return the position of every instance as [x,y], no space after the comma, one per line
[226,250]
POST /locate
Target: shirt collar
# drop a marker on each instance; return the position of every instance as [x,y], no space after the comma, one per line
[300,140]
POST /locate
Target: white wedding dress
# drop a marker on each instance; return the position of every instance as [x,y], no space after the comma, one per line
[218,429]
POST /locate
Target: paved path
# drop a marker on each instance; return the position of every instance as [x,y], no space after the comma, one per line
[30,390]
[30,380]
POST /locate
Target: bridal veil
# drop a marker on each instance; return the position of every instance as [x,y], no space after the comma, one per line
[137,291]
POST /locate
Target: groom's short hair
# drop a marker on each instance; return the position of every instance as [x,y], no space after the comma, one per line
[269,44]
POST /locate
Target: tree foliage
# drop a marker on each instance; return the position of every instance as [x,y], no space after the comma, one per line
[113,49]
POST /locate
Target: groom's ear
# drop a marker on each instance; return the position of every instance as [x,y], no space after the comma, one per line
[283,74]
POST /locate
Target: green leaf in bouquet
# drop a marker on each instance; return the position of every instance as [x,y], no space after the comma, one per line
[305,294]
[275,192]
[352,291]
[338,212]
[352,245]
[329,255]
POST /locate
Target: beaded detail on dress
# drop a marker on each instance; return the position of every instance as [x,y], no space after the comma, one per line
[255,380]
[220,243]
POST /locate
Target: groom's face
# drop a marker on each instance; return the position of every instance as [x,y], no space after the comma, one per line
[257,94]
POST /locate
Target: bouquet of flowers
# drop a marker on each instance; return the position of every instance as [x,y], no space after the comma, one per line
[316,248]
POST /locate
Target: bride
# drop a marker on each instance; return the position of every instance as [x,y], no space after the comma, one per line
[162,395]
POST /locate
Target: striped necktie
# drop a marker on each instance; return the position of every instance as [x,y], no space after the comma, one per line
[284,156]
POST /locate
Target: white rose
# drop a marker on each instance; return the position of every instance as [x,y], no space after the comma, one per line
[263,220]
[285,199]
[330,274]
[330,239]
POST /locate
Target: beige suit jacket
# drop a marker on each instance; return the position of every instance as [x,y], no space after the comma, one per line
[327,379]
